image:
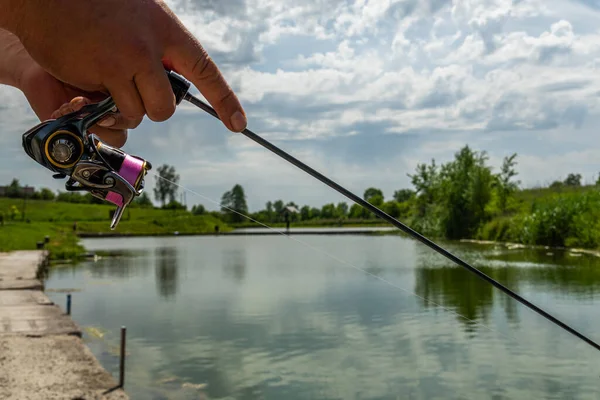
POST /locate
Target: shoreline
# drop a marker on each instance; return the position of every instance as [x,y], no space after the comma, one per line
[336,231]
[42,352]
[515,245]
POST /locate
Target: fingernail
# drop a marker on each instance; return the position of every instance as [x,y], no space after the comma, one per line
[107,122]
[238,121]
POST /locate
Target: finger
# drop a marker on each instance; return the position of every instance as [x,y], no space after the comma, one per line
[116,121]
[74,105]
[113,137]
[128,101]
[189,58]
[156,92]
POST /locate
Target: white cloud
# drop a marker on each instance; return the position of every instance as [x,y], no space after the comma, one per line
[337,81]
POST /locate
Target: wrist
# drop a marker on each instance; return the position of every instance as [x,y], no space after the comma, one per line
[15,60]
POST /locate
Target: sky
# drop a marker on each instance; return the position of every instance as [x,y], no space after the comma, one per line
[364,90]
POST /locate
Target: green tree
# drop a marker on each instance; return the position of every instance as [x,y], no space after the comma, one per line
[392,208]
[47,194]
[235,199]
[328,211]
[166,188]
[315,213]
[372,192]
[356,211]
[466,185]
[278,207]
[13,189]
[143,200]
[505,186]
[426,183]
[573,180]
[269,211]
[342,210]
[403,195]
[198,209]
[305,214]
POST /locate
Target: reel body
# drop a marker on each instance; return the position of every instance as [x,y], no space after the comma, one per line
[64,147]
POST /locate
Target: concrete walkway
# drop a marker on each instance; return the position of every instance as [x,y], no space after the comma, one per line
[42,355]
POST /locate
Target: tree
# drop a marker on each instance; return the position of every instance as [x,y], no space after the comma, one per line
[269,211]
[426,184]
[13,189]
[235,199]
[403,195]
[356,211]
[278,207]
[328,211]
[465,190]
[573,180]
[506,187]
[342,210]
[166,188]
[392,208]
[143,200]
[198,209]
[315,213]
[305,213]
[371,193]
[47,194]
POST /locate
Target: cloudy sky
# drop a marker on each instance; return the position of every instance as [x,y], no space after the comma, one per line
[363,90]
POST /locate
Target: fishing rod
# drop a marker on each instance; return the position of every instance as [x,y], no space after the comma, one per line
[64,147]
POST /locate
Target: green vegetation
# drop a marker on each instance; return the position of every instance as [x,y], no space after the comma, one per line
[27,216]
[461,199]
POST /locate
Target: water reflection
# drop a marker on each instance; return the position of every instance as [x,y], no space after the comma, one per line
[556,271]
[166,271]
[268,321]
[234,264]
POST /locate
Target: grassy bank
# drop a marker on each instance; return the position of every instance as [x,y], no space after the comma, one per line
[57,219]
[63,243]
[559,217]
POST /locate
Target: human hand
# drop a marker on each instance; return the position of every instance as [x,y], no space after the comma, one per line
[121,47]
[50,98]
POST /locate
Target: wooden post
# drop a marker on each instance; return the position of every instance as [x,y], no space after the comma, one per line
[122,365]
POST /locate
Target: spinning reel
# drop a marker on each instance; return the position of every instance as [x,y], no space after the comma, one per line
[64,147]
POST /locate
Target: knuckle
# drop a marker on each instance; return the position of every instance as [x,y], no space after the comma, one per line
[139,50]
[204,68]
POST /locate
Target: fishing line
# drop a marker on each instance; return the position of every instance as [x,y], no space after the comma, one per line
[336,258]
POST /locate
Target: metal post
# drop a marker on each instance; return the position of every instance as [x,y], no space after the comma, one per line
[69,304]
[122,366]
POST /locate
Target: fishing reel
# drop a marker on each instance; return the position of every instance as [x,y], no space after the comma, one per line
[64,147]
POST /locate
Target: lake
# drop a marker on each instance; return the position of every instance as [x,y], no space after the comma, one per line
[268,317]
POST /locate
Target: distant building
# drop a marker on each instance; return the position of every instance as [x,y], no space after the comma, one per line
[27,190]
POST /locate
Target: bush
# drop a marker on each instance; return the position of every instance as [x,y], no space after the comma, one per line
[569,219]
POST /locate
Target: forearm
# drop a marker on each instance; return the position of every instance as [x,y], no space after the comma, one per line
[13,59]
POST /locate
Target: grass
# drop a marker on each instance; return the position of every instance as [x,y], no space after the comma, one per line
[63,243]
[56,220]
[558,217]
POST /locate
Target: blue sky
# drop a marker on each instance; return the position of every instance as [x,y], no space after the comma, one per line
[364,90]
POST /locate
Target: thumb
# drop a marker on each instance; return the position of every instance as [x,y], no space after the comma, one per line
[190,59]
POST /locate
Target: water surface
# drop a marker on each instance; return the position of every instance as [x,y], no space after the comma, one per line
[265,317]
